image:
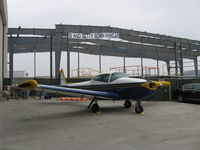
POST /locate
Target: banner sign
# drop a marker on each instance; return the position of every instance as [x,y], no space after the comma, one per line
[104,35]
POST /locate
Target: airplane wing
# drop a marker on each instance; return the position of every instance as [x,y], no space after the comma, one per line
[33,85]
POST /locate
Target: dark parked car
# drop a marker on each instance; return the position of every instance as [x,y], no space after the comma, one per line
[189,92]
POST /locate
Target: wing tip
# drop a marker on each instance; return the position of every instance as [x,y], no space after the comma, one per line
[29,85]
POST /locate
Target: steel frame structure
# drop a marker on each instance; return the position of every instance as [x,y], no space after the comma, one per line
[131,43]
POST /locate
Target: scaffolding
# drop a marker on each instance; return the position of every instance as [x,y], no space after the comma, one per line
[84,73]
[137,70]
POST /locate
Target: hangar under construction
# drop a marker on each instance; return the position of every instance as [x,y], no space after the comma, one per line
[103,40]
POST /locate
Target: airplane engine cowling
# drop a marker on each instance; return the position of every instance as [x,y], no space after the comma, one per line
[154,85]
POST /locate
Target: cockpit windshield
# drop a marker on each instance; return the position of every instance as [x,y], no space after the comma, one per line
[105,77]
[102,77]
[117,75]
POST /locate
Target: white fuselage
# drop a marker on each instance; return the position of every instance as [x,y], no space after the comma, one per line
[122,80]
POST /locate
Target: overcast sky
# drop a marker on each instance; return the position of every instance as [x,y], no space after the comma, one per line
[171,17]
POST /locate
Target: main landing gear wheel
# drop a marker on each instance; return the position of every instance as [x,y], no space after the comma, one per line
[127,104]
[139,108]
[95,108]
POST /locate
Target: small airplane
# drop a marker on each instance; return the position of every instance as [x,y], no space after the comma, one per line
[109,86]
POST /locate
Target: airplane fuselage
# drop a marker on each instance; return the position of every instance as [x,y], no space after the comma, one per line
[125,87]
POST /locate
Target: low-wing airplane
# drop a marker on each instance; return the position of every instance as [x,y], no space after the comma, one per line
[109,86]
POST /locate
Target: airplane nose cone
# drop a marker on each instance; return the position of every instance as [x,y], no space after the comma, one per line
[154,84]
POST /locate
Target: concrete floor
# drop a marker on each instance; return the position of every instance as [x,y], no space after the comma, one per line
[57,125]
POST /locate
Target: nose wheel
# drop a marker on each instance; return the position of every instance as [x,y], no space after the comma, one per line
[138,107]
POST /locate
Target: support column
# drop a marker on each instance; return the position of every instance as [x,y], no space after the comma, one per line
[142,69]
[181,61]
[124,67]
[78,65]
[68,57]
[100,63]
[57,63]
[11,65]
[58,49]
[168,68]
[51,57]
[138,74]
[196,66]
[176,59]
[158,70]
[34,64]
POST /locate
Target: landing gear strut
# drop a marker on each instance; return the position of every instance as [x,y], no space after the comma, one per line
[127,104]
[138,107]
[93,106]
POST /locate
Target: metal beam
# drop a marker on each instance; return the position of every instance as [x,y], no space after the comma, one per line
[131,35]
[112,51]
[30,31]
[45,47]
[99,29]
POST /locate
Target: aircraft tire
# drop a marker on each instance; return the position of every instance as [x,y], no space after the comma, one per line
[139,109]
[95,108]
[127,104]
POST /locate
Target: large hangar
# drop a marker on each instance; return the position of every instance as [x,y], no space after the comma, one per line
[3,40]
[103,40]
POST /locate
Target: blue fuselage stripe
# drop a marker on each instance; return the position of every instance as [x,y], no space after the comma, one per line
[124,90]
[79,91]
